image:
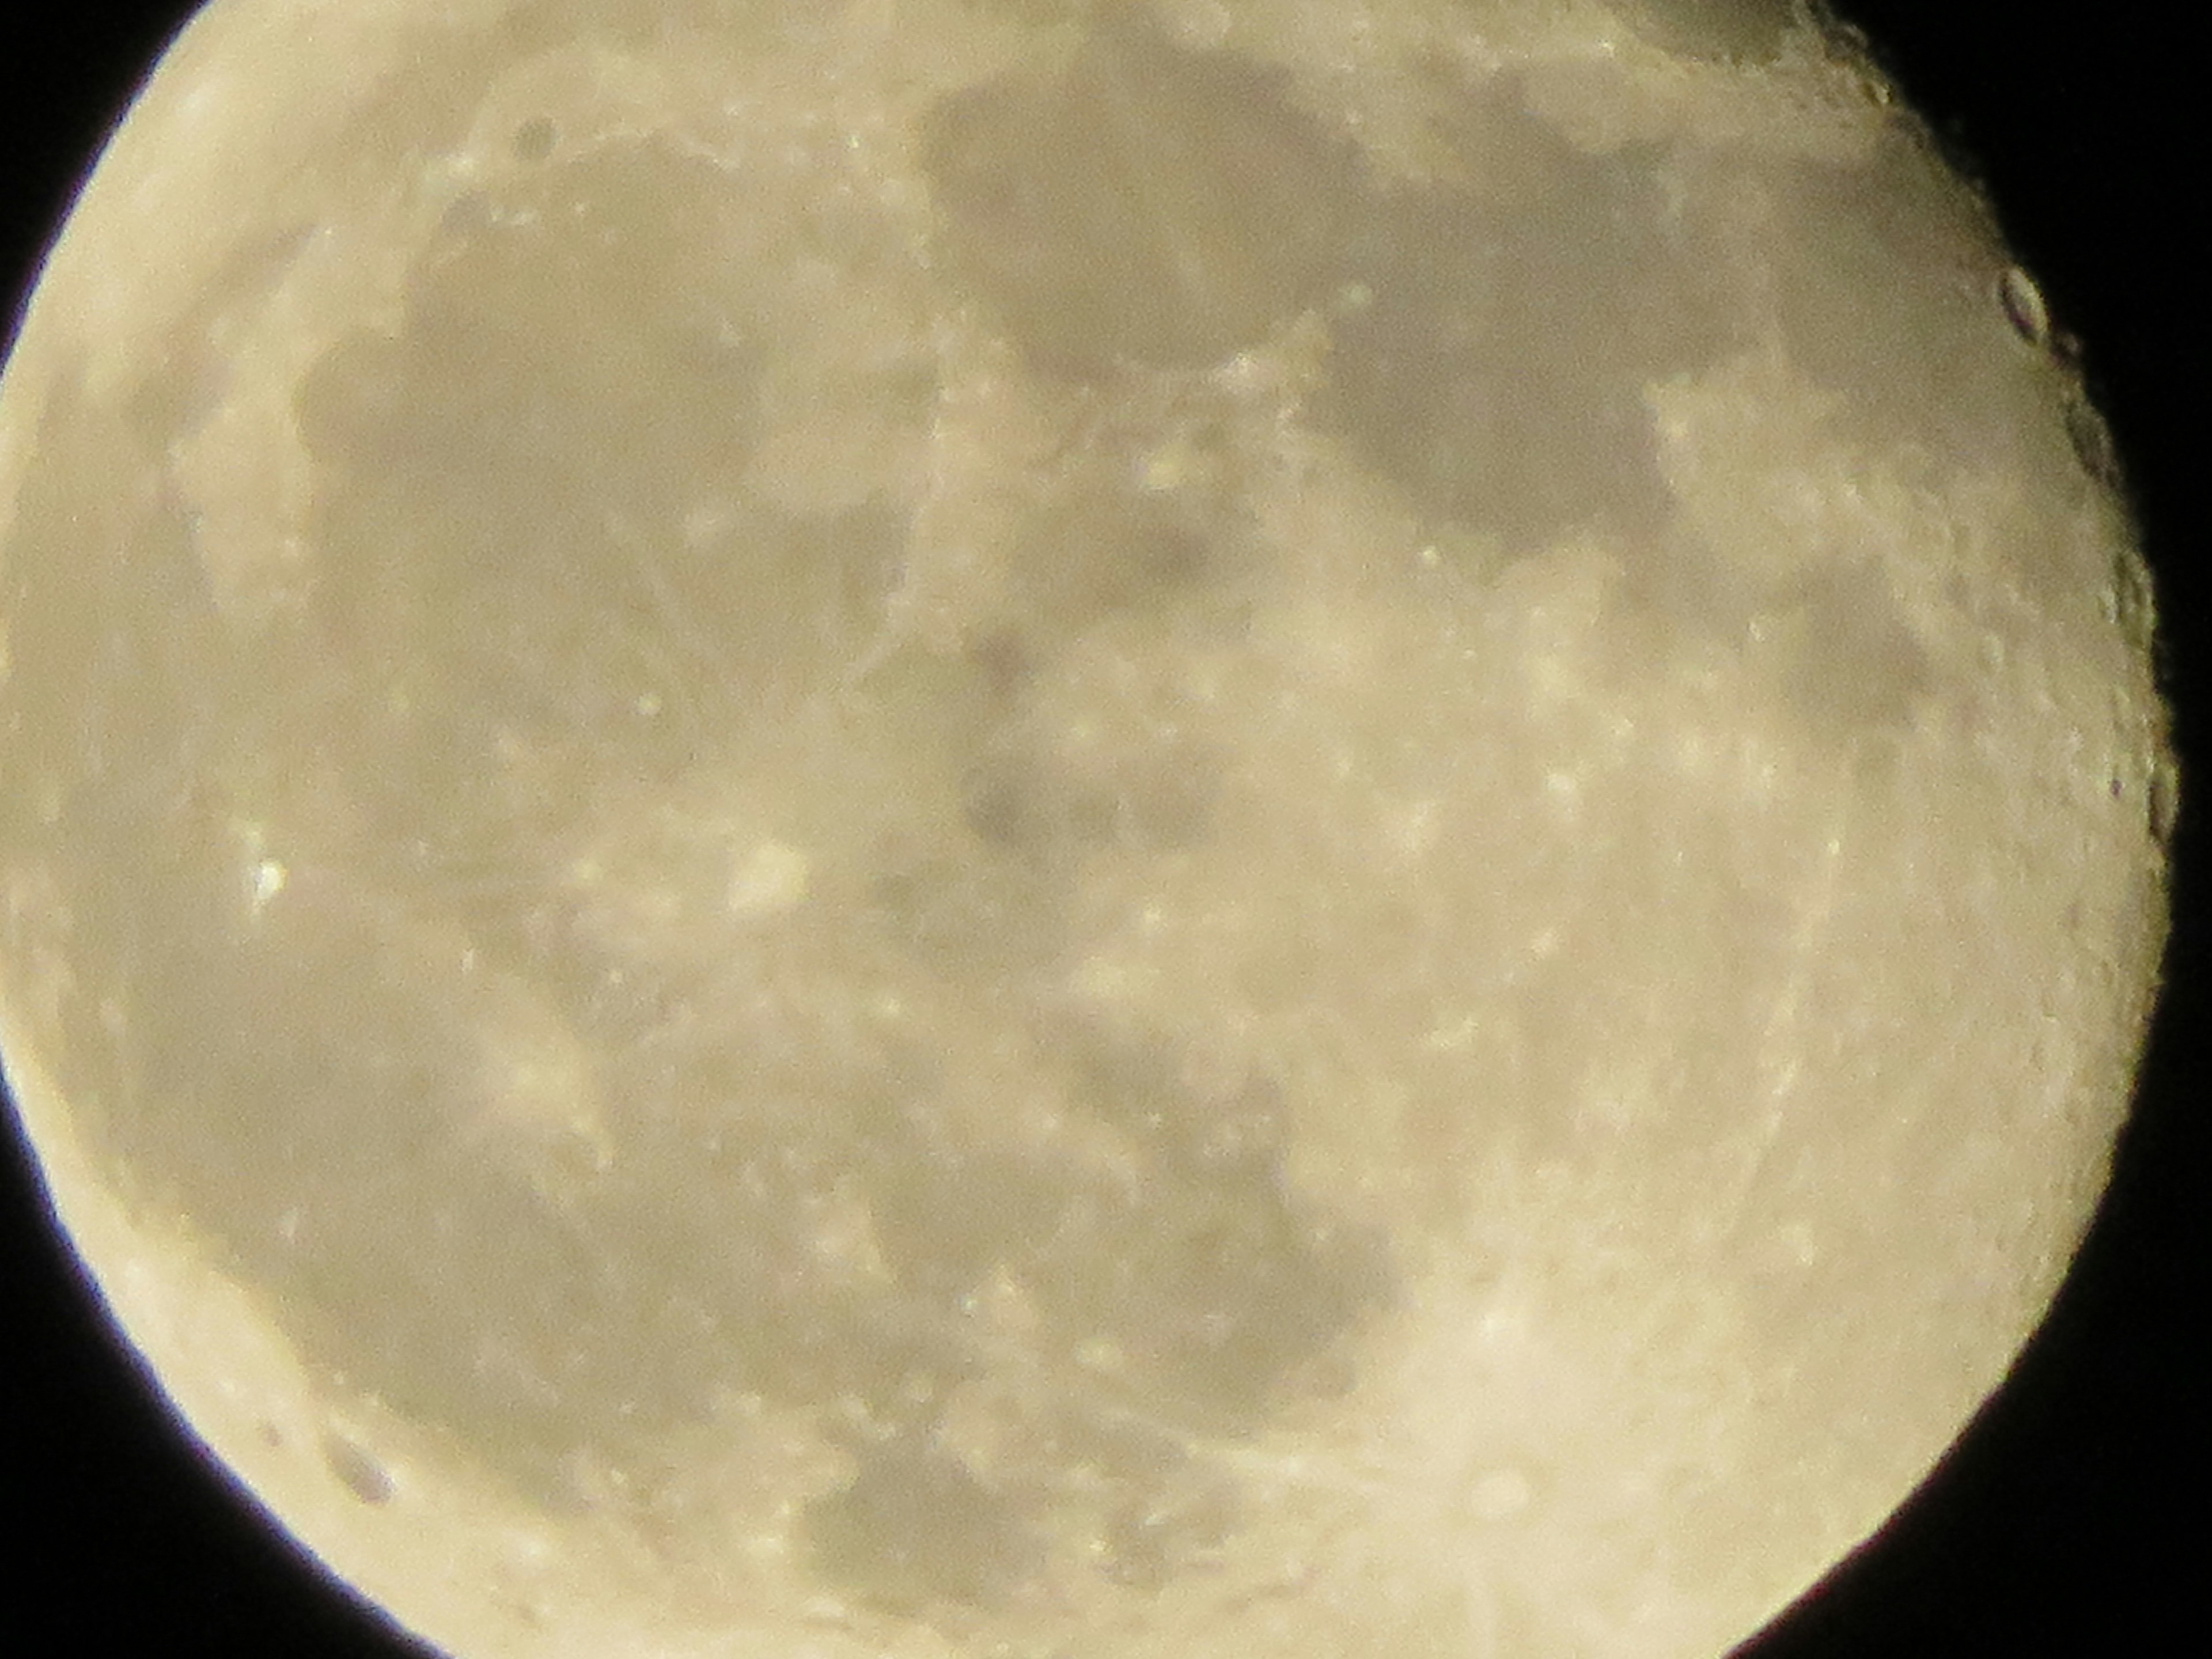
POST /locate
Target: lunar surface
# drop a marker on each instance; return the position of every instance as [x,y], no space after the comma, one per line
[1011,829]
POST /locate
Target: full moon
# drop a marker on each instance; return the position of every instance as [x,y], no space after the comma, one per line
[1031,830]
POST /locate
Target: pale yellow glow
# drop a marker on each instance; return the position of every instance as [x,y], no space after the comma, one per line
[990,827]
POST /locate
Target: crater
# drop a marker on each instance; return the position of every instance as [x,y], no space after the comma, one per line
[356,1470]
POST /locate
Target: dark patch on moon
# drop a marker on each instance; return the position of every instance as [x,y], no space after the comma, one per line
[1881,272]
[1746,32]
[1069,199]
[1858,667]
[914,1529]
[534,140]
[1018,799]
[1510,325]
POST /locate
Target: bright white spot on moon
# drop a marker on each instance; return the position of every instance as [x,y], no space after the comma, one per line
[268,882]
[773,877]
[1010,828]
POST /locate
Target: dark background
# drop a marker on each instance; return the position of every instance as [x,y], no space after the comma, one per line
[2070,1520]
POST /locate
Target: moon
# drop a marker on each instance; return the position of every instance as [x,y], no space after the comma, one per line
[958,830]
